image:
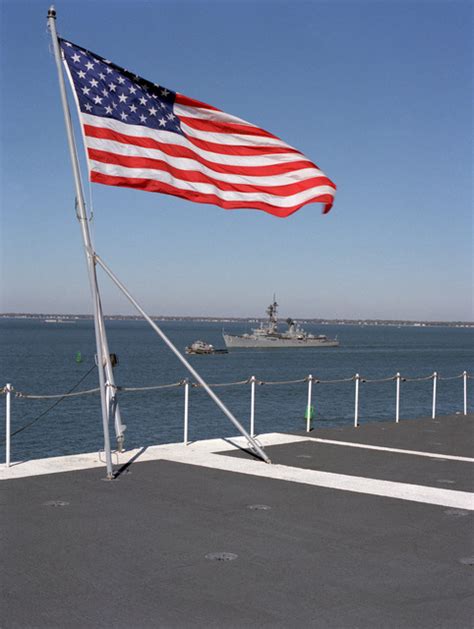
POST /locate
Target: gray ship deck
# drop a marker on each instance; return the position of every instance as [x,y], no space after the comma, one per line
[355,536]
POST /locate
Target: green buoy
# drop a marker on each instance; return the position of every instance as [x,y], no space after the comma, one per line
[78,357]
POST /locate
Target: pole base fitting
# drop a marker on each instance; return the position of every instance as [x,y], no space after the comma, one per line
[120,442]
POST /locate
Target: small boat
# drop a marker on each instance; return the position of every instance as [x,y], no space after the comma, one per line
[58,320]
[201,347]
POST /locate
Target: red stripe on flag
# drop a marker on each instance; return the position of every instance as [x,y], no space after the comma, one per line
[232,149]
[192,102]
[218,126]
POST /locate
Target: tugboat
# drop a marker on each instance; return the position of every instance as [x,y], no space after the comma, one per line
[200,347]
[267,335]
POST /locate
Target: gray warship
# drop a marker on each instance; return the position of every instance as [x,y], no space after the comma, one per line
[267,335]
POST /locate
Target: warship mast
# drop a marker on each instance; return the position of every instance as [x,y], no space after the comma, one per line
[272,315]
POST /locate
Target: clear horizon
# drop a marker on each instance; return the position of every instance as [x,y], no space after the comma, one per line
[211,316]
[378,94]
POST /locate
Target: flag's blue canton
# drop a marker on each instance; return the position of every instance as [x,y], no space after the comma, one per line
[106,90]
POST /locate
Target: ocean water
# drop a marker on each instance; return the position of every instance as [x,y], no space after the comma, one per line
[39,358]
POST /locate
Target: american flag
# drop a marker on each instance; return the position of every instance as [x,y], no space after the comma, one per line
[141,135]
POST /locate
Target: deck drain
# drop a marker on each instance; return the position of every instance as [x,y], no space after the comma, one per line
[467,561]
[303,456]
[221,556]
[259,507]
[56,503]
[445,480]
[456,513]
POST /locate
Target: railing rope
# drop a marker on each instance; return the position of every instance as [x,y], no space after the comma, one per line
[30,396]
[197,385]
[8,390]
[155,387]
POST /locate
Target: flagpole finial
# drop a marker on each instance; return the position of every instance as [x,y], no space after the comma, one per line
[52,12]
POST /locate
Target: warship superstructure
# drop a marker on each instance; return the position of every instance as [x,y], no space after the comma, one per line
[267,335]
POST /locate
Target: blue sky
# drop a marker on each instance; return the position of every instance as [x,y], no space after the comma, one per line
[378,94]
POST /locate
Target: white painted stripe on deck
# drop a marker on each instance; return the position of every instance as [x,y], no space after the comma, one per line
[203,454]
[90,460]
[431,455]
[357,484]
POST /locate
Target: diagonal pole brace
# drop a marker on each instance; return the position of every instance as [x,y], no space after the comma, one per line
[251,441]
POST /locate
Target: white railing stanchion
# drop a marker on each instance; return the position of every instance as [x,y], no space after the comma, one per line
[356,404]
[186,411]
[252,406]
[308,408]
[397,403]
[464,377]
[8,391]
[435,381]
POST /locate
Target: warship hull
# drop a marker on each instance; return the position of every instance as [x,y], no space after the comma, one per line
[232,341]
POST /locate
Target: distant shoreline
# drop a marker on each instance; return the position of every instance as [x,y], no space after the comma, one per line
[68,318]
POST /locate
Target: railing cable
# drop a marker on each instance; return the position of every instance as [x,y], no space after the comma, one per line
[221,384]
[150,388]
[50,408]
[123,389]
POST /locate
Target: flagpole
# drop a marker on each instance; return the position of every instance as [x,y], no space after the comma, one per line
[89,252]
